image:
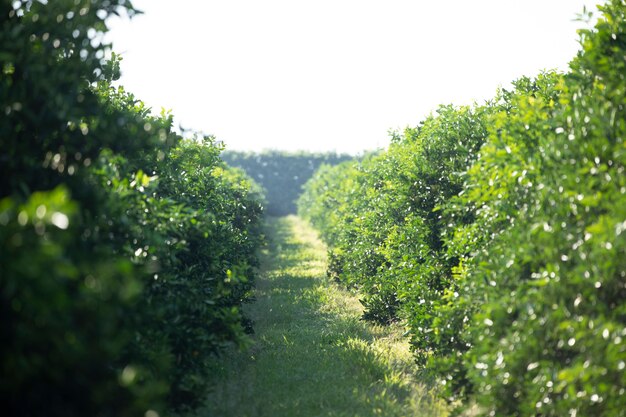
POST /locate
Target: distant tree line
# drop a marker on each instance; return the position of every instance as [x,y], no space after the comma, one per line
[282,174]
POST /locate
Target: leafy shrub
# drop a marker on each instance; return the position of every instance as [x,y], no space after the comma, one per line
[549,338]
[126,250]
[496,233]
[384,219]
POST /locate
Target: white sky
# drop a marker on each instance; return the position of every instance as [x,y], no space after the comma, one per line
[325,75]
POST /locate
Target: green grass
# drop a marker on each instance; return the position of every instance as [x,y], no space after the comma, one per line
[312,355]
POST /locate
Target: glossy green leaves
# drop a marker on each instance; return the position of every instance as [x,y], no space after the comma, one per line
[497,233]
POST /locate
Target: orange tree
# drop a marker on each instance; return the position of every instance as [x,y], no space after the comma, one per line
[548,337]
[126,251]
[497,234]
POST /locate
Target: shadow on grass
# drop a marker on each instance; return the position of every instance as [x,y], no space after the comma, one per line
[312,355]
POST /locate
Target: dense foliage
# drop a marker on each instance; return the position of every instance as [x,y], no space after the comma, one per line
[497,233]
[282,174]
[126,250]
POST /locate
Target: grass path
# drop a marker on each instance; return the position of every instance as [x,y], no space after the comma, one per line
[312,355]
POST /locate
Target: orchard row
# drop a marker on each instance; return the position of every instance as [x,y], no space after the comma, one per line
[497,232]
[126,250]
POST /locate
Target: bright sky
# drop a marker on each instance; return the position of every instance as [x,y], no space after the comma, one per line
[323,75]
